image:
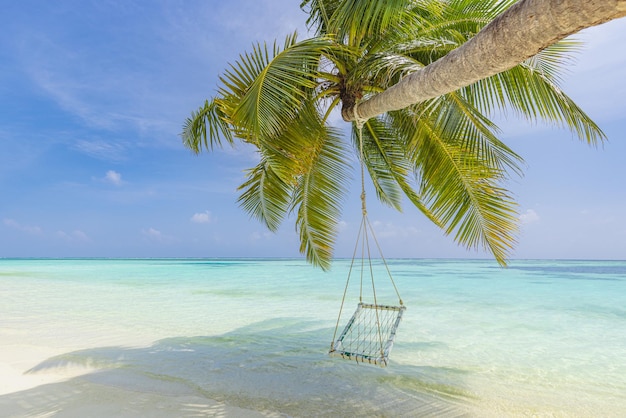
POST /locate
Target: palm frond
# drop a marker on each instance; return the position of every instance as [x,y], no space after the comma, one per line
[553,61]
[386,159]
[384,69]
[532,90]
[293,152]
[534,95]
[478,133]
[387,164]
[440,27]
[205,128]
[428,31]
[383,158]
[319,12]
[266,197]
[317,200]
[462,189]
[355,20]
[281,86]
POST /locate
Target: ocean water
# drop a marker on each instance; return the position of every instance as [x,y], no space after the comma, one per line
[539,338]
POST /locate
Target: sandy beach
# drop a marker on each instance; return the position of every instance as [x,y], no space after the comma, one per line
[38,381]
[35,381]
[63,386]
[89,396]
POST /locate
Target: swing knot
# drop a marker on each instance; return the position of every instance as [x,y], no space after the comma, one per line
[363,204]
[358,121]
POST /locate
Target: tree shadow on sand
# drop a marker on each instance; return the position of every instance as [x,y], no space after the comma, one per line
[270,368]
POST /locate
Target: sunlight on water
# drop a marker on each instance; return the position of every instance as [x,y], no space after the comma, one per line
[540,337]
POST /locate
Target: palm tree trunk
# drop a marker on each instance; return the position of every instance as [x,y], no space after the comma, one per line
[520,32]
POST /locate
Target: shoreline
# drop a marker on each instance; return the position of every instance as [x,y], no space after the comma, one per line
[172,338]
[28,388]
[64,385]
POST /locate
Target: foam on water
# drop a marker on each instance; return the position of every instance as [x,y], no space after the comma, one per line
[540,337]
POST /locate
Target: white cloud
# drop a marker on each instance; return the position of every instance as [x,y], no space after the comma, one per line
[529,217]
[103,150]
[80,235]
[153,234]
[113,177]
[202,218]
[29,229]
[390,230]
[75,236]
[156,236]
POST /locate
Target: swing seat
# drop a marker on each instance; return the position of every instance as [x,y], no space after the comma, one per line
[369,335]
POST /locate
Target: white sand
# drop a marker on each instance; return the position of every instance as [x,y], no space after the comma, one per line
[79,391]
[17,360]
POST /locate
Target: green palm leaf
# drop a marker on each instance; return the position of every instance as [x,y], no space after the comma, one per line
[319,12]
[387,164]
[461,188]
[265,196]
[384,160]
[531,90]
[283,81]
[524,86]
[317,200]
[351,21]
[205,128]
[439,27]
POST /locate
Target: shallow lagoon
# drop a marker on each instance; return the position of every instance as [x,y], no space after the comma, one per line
[250,336]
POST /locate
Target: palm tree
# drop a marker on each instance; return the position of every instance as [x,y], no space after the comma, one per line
[442,154]
[515,35]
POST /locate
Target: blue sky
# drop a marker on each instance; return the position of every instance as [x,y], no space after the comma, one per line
[93,95]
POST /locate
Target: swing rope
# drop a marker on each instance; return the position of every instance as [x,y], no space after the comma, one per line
[363,239]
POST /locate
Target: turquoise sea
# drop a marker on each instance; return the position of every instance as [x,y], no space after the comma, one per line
[539,338]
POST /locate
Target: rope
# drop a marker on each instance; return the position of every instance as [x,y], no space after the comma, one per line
[362,229]
[363,237]
[345,290]
[359,125]
[358,122]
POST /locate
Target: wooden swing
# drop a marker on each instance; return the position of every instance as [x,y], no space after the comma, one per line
[369,335]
